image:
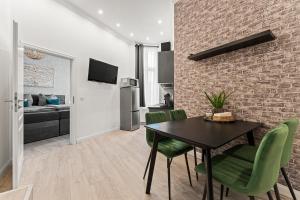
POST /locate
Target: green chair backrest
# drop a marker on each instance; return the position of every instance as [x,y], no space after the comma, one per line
[178,115]
[152,118]
[287,151]
[266,165]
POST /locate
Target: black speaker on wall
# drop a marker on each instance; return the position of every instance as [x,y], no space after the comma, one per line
[166,46]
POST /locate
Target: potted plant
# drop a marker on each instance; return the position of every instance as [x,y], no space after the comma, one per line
[217,101]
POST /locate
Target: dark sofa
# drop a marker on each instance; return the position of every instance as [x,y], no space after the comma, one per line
[43,122]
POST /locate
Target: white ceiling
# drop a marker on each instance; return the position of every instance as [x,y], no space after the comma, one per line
[139,17]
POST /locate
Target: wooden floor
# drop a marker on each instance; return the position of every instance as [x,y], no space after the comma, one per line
[108,167]
[6,180]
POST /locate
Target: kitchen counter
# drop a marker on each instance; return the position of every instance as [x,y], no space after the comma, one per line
[161,107]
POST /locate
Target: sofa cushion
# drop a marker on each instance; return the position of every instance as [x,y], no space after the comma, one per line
[42,100]
[29,99]
[35,99]
[34,109]
[52,101]
[26,103]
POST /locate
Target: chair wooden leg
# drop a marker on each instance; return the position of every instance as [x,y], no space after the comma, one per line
[251,197]
[204,192]
[269,195]
[188,168]
[288,183]
[276,192]
[195,157]
[169,177]
[222,192]
[147,166]
[227,192]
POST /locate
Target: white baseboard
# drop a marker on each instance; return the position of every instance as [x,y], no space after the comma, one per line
[97,134]
[4,167]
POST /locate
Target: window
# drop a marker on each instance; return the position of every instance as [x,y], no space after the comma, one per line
[150,76]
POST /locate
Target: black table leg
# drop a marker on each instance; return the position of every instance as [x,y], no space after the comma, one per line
[250,137]
[208,165]
[152,163]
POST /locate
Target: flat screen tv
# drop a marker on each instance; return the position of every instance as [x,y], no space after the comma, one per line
[102,72]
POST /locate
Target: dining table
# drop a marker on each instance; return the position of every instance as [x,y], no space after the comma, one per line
[201,133]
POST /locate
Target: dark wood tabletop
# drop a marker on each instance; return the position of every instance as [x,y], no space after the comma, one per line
[202,133]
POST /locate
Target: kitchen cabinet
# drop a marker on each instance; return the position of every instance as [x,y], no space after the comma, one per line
[166,67]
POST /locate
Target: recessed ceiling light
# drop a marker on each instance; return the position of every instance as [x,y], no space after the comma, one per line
[161,33]
[131,34]
[147,38]
[159,21]
[100,12]
[118,24]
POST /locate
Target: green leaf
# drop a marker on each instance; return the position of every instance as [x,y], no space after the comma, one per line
[218,100]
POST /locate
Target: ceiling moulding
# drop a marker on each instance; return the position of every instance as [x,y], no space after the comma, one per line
[95,21]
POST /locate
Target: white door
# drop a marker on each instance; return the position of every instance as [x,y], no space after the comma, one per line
[17,108]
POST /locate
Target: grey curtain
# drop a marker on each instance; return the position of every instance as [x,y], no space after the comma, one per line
[139,71]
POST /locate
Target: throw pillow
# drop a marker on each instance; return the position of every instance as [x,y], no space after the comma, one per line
[29,99]
[35,99]
[26,103]
[53,101]
[42,100]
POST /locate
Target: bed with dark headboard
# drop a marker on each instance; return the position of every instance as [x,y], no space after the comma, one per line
[46,121]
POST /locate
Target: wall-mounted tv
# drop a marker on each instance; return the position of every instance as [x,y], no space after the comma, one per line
[102,72]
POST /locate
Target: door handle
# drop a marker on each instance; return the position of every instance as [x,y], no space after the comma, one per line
[8,101]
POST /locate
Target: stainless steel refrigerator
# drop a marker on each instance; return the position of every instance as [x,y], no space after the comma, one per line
[129,108]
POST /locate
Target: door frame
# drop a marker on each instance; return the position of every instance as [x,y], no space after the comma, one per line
[17,145]
[73,82]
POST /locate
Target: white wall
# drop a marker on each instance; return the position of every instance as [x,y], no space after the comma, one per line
[48,24]
[62,72]
[5,64]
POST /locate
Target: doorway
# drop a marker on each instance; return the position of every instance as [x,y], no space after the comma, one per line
[57,114]
[48,100]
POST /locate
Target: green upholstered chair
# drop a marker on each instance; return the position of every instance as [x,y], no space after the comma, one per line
[248,152]
[181,115]
[249,178]
[168,147]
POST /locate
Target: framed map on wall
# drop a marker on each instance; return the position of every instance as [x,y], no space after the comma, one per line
[38,76]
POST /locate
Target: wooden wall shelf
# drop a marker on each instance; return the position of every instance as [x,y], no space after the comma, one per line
[251,40]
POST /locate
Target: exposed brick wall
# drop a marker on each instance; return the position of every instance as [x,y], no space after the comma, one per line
[265,78]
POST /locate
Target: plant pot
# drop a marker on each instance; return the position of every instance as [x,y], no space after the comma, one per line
[218,110]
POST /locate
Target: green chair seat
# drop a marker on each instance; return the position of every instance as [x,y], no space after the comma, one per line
[167,146]
[172,148]
[230,171]
[248,152]
[252,178]
[243,151]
